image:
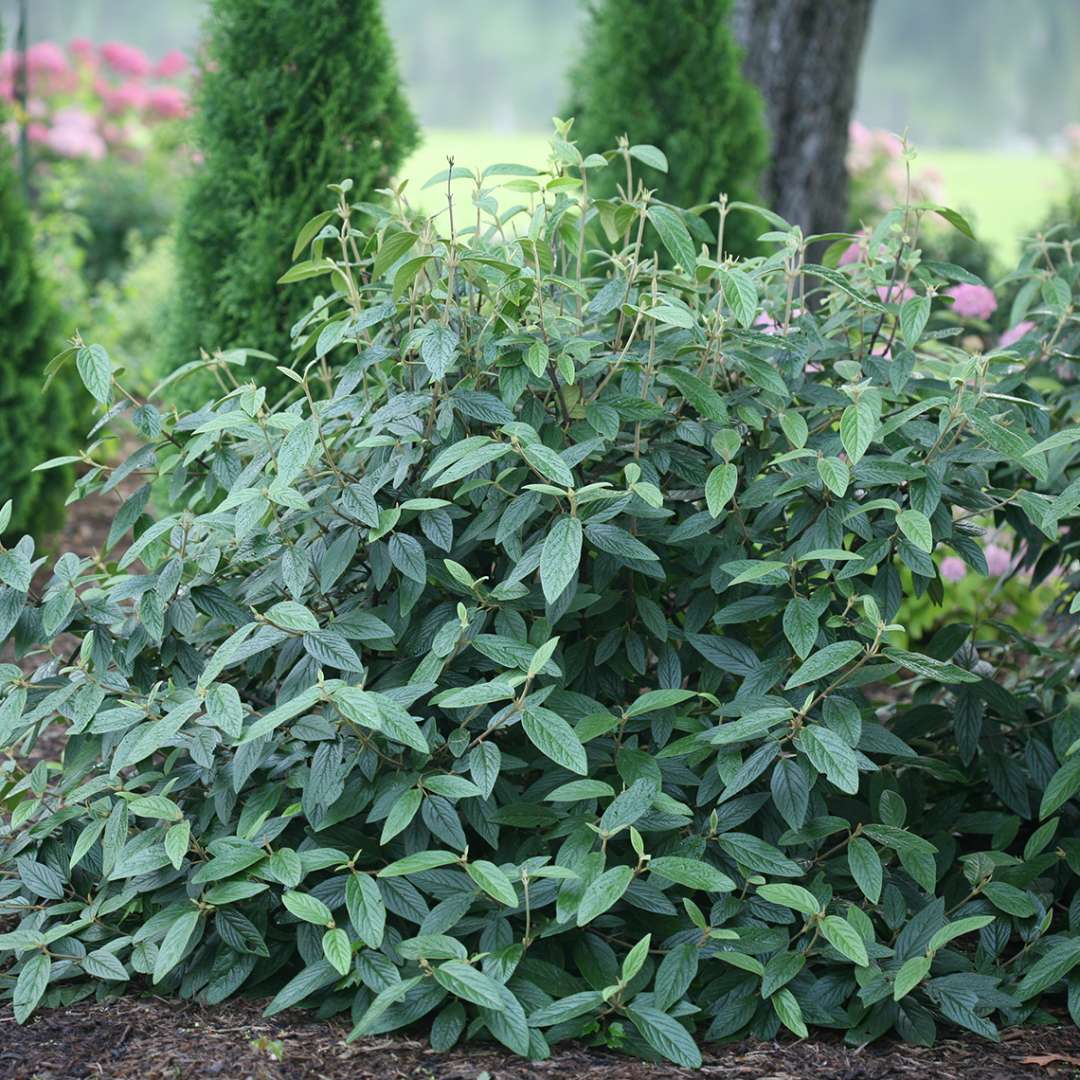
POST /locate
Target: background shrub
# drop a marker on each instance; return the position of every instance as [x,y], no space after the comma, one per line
[34,425]
[290,93]
[535,679]
[671,75]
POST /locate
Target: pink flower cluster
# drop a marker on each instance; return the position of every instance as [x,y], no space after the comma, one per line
[1015,333]
[85,100]
[973,301]
[875,163]
[998,563]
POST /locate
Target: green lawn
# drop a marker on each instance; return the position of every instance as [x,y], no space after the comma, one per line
[1005,194]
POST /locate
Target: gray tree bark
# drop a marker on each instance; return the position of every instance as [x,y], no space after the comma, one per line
[803,55]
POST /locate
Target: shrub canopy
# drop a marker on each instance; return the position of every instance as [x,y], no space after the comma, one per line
[537,678]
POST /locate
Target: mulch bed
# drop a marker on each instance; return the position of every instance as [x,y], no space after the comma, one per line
[153,1039]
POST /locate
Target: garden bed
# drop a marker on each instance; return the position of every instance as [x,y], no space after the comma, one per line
[154,1038]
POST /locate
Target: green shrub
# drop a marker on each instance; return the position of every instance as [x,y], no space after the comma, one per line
[120,204]
[34,425]
[290,93]
[534,680]
[670,73]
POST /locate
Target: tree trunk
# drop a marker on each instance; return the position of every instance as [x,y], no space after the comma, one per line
[803,55]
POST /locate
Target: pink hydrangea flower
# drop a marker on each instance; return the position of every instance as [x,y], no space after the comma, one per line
[171,64]
[953,568]
[168,102]
[852,254]
[37,133]
[973,301]
[998,560]
[126,59]
[46,58]
[129,95]
[75,140]
[1015,333]
[896,293]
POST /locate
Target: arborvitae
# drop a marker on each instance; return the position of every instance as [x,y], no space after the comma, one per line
[668,72]
[34,425]
[294,94]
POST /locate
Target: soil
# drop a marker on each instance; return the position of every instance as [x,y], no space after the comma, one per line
[152,1039]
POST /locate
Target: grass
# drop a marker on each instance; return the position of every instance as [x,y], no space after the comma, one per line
[1005,194]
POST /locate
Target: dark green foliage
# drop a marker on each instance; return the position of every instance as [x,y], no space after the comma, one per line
[292,92]
[34,424]
[537,676]
[669,73]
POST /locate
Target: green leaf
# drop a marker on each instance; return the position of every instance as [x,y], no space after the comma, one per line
[692,873]
[834,474]
[845,939]
[392,248]
[417,863]
[603,893]
[30,985]
[555,739]
[655,700]
[858,422]
[101,964]
[787,1008]
[469,984]
[719,488]
[698,393]
[665,1035]
[576,790]
[560,557]
[307,907]
[1010,899]
[914,313]
[367,912]
[801,626]
[401,813]
[290,615]
[915,525]
[865,867]
[791,896]
[911,973]
[955,929]
[1063,785]
[829,754]
[547,463]
[650,155]
[95,370]
[669,224]
[794,427]
[676,972]
[493,881]
[336,949]
[740,294]
[174,944]
[824,662]
[1050,968]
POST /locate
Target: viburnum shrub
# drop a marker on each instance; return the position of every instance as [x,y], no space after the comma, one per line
[526,669]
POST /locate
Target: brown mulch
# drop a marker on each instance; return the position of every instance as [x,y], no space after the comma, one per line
[153,1039]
